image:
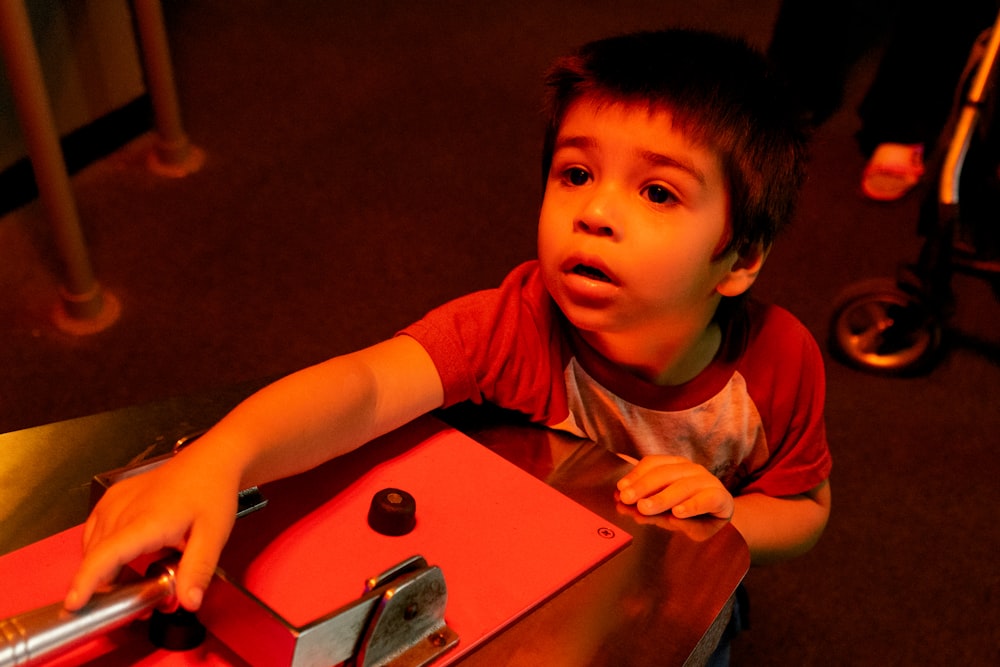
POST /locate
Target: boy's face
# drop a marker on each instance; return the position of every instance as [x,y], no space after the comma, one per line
[633,220]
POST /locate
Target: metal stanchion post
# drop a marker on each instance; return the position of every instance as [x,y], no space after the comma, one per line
[173,154]
[84,307]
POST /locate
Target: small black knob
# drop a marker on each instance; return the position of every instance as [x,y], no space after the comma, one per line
[392,512]
[176,631]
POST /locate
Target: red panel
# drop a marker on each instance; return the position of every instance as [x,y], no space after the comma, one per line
[504,540]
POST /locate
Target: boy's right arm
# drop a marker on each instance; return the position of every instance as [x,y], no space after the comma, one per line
[305,419]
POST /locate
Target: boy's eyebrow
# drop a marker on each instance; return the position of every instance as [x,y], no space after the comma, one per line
[667,161]
[651,157]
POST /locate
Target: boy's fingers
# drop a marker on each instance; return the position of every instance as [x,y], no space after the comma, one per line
[99,568]
[88,530]
[715,502]
[197,564]
[651,475]
[647,464]
[668,499]
[193,576]
[686,496]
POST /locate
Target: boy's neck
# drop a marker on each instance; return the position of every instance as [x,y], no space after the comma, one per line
[656,360]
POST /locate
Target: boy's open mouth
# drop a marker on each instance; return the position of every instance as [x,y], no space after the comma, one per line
[591,272]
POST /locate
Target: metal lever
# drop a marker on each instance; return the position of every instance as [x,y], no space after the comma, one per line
[407,627]
[49,631]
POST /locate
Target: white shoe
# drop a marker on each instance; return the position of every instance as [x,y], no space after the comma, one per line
[892,171]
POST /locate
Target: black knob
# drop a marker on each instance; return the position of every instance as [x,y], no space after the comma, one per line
[176,631]
[392,512]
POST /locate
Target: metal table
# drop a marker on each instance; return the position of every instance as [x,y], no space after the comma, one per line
[663,600]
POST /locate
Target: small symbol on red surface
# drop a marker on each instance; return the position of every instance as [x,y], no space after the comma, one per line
[606,533]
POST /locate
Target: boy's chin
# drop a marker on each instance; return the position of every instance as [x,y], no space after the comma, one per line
[590,320]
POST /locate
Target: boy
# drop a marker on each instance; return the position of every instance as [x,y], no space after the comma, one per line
[670,162]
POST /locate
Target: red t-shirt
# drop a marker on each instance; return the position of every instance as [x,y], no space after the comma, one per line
[754,416]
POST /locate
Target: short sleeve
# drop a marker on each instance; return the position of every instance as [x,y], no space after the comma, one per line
[787,381]
[499,346]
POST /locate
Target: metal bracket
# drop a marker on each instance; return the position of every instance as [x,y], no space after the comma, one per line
[407,627]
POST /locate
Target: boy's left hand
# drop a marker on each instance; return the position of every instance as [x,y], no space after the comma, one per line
[659,484]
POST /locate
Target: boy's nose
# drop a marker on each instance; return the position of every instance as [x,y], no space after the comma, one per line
[590,226]
[598,218]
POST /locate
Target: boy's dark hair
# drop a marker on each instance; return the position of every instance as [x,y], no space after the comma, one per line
[720,92]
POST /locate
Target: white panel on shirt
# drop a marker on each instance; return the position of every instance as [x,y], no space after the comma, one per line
[718,434]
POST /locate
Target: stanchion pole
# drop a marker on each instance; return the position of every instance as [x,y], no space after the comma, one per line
[173,154]
[84,307]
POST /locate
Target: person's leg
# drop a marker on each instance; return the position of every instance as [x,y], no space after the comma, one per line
[809,48]
[816,44]
[914,89]
[914,86]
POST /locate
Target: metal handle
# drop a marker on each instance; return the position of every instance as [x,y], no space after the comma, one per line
[48,631]
[951,171]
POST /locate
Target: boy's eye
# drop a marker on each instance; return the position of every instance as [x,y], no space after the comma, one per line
[658,194]
[576,176]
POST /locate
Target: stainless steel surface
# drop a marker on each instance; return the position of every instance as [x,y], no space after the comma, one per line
[47,469]
[42,634]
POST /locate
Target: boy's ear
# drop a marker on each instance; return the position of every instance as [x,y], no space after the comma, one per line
[743,272]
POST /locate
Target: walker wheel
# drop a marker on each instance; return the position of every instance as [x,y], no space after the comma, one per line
[879,327]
